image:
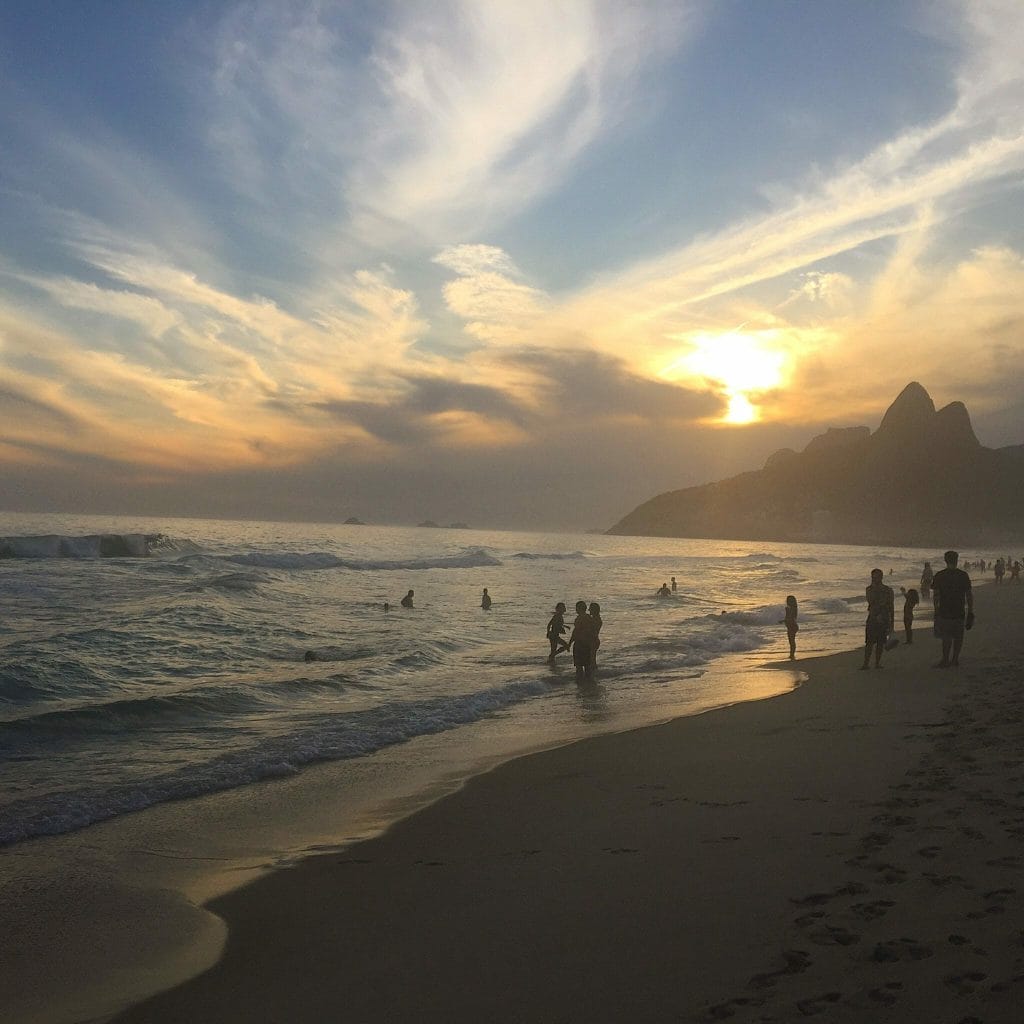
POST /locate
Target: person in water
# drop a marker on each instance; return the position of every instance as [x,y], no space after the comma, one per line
[556,627]
[485,601]
[582,640]
[909,604]
[673,584]
[595,614]
[791,625]
[881,618]
[926,580]
[664,591]
[407,600]
[309,656]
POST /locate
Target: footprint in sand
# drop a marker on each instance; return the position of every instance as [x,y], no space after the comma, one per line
[818,1004]
[872,911]
[833,936]
[964,984]
[896,950]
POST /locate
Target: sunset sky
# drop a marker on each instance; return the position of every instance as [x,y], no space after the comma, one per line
[507,262]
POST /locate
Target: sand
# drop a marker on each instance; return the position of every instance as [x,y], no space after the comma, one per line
[849,851]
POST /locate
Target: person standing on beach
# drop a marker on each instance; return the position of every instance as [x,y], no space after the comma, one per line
[954,609]
[881,618]
[999,570]
[582,638]
[791,625]
[911,602]
[556,627]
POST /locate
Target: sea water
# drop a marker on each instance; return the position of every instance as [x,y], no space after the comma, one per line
[148,660]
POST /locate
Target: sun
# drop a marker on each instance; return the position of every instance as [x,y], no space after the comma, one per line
[737,364]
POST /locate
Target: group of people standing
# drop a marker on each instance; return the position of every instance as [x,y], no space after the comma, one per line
[953,600]
[584,639]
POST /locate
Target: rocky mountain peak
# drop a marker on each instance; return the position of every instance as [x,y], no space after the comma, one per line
[912,411]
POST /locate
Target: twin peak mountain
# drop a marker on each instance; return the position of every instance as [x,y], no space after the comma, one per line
[921,479]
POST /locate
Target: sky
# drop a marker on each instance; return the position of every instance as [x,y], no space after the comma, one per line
[515,263]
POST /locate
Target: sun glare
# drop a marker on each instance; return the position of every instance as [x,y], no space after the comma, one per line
[739,365]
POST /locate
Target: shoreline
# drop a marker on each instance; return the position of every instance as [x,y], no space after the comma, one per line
[842,849]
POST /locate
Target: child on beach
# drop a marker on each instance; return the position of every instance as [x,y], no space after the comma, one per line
[911,602]
[556,627]
[791,625]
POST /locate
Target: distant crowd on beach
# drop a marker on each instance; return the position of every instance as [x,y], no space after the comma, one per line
[948,590]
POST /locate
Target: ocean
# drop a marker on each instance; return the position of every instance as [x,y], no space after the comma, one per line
[145,660]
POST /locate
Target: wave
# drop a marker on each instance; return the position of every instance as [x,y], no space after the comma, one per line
[469,559]
[338,738]
[556,557]
[97,545]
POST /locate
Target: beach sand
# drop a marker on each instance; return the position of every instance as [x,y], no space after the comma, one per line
[849,851]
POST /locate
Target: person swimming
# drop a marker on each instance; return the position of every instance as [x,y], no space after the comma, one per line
[407,600]
[664,591]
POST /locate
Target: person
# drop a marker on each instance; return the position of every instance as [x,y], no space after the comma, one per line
[664,591]
[1015,572]
[556,627]
[595,614]
[881,617]
[791,625]
[407,600]
[999,570]
[309,656]
[387,607]
[485,601]
[910,602]
[582,640]
[926,579]
[673,584]
[954,609]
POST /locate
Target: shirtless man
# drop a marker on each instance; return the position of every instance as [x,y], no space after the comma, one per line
[881,618]
[954,609]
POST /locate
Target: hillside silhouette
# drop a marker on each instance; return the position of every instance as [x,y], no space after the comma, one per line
[922,478]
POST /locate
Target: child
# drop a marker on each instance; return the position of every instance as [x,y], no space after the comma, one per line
[582,640]
[556,627]
[912,601]
[791,625]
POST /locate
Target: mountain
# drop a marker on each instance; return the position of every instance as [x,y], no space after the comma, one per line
[922,478]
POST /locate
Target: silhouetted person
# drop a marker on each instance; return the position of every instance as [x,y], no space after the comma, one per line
[664,591]
[485,601]
[407,600]
[673,584]
[792,626]
[1000,570]
[556,627]
[387,607]
[881,618]
[595,614]
[926,580]
[910,602]
[582,639]
[954,609]
[1015,572]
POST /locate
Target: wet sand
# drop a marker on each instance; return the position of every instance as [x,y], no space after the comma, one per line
[849,851]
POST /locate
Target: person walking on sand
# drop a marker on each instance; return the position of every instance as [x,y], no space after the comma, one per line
[881,618]
[909,604]
[556,627]
[485,601]
[582,641]
[954,609]
[999,570]
[791,625]
[407,600]
[595,614]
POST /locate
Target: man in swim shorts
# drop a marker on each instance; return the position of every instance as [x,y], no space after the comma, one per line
[881,618]
[954,609]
